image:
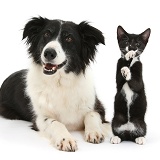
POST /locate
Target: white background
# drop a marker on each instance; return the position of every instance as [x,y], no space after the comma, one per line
[17,141]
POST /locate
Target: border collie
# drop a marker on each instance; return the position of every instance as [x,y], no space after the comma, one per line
[57,92]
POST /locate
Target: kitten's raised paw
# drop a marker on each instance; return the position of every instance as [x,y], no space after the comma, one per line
[130,54]
[115,140]
[140,140]
[125,71]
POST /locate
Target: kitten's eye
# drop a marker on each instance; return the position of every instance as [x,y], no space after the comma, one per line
[126,42]
[137,44]
[69,39]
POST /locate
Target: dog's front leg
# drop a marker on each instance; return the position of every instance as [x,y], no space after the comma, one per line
[57,133]
[93,129]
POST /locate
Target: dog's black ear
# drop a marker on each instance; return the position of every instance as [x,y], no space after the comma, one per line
[91,37]
[33,28]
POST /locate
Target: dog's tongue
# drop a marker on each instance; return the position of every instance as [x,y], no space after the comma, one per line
[50,66]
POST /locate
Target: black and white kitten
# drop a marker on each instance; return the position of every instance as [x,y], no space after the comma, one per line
[130,101]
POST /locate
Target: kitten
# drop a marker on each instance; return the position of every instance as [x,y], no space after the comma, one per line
[130,101]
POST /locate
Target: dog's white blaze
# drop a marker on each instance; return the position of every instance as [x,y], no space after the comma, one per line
[61,57]
[64,97]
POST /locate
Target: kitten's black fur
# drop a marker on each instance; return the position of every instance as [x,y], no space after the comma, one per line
[134,112]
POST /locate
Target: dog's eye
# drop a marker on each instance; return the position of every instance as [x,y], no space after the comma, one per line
[137,44]
[47,34]
[68,39]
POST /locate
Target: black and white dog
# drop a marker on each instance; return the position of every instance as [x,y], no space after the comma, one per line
[57,93]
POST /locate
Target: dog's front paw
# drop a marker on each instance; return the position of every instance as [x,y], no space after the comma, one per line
[115,140]
[66,144]
[125,71]
[130,54]
[94,136]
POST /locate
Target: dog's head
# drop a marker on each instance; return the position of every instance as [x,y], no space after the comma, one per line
[56,44]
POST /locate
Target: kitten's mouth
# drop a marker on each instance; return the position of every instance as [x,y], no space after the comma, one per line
[50,69]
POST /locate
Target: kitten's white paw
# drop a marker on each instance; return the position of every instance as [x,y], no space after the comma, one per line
[140,140]
[115,140]
[130,54]
[125,71]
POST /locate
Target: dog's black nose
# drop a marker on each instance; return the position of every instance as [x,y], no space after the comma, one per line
[50,54]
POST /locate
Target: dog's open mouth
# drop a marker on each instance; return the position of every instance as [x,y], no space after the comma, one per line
[50,69]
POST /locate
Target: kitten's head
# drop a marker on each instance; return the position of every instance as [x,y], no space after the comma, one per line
[135,42]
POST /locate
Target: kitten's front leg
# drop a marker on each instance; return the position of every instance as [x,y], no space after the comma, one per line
[125,71]
[130,54]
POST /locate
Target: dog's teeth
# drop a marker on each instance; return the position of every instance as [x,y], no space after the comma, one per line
[54,68]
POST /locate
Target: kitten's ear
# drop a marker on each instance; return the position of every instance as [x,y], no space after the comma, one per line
[120,32]
[145,35]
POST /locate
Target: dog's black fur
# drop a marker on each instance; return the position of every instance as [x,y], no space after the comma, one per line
[79,43]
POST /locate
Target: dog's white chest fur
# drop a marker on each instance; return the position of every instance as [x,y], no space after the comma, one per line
[65,97]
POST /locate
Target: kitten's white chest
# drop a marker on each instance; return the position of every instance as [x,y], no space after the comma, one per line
[128,93]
